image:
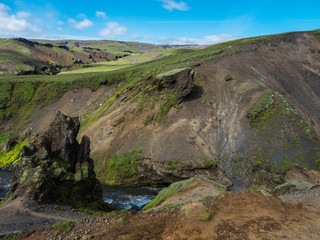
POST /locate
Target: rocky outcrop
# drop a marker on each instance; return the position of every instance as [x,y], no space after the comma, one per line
[181,81]
[58,168]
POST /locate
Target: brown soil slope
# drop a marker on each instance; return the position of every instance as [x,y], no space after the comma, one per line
[243,216]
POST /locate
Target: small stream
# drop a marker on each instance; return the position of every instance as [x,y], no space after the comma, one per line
[122,198]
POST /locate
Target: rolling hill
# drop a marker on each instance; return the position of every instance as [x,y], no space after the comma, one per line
[20,56]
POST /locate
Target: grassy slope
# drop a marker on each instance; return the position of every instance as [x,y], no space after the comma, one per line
[16,55]
[130,60]
[47,89]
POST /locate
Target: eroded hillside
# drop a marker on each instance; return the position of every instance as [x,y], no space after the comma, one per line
[241,113]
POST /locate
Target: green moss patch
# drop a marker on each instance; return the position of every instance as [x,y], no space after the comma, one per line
[261,111]
[5,94]
[122,167]
[12,157]
[175,188]
[168,192]
[165,107]
[4,137]
[295,185]
[170,73]
[63,227]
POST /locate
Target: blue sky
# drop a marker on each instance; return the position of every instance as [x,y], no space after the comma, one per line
[155,21]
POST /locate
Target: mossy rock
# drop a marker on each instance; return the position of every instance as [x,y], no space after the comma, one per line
[14,156]
[293,185]
[170,73]
[177,187]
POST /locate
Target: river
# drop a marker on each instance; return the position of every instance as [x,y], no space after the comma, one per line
[5,179]
[129,198]
[122,198]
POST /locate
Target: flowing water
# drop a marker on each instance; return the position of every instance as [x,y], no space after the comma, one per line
[5,179]
[122,198]
[129,198]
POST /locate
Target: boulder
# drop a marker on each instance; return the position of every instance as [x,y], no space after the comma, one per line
[181,81]
[57,168]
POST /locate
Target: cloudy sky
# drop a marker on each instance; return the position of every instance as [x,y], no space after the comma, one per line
[155,21]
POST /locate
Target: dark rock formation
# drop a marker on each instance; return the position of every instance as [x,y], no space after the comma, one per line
[61,139]
[58,168]
[181,81]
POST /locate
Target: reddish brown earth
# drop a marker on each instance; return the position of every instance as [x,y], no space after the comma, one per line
[233,216]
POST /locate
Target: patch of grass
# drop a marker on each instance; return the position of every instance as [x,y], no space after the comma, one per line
[165,107]
[317,158]
[316,33]
[170,73]
[174,164]
[4,137]
[175,188]
[167,192]
[118,121]
[119,167]
[12,235]
[206,218]
[12,157]
[286,163]
[176,206]
[207,200]
[296,185]
[262,111]
[260,157]
[63,227]
[5,94]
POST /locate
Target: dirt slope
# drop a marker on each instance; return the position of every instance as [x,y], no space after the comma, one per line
[20,215]
[234,216]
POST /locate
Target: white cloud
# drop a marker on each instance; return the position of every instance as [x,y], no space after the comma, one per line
[15,24]
[60,29]
[101,14]
[113,30]
[72,21]
[60,23]
[171,5]
[23,14]
[81,15]
[4,7]
[85,23]
[206,40]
